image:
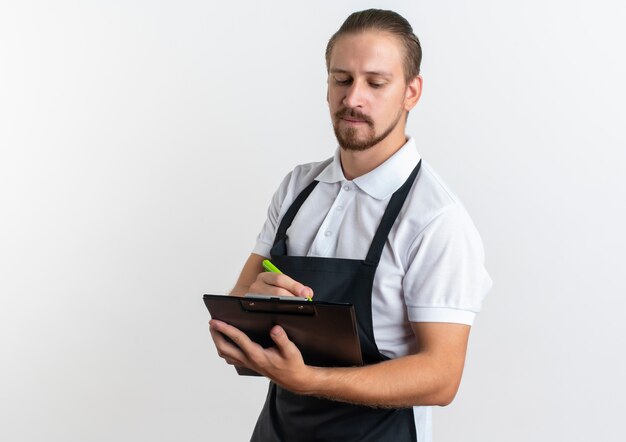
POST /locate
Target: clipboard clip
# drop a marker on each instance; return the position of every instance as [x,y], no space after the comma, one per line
[276,306]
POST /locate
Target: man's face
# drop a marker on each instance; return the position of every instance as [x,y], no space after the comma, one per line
[367,91]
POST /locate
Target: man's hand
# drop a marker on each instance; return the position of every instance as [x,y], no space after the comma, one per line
[283,363]
[253,279]
[277,284]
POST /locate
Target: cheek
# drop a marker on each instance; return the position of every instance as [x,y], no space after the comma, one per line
[391,102]
[334,96]
[334,103]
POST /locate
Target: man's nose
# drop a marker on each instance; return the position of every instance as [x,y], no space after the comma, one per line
[355,95]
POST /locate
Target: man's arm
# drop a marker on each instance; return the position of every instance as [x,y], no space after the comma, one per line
[248,275]
[430,377]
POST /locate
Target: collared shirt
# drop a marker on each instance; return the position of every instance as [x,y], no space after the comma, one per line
[432,266]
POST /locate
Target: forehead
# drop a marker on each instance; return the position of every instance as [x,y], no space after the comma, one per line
[369,51]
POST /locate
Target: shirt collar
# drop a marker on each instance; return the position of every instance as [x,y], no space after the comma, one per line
[381,182]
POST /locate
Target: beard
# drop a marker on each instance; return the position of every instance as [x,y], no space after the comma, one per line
[348,137]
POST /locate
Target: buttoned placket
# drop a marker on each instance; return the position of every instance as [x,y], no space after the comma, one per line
[325,242]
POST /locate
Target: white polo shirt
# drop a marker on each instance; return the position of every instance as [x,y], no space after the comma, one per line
[432,266]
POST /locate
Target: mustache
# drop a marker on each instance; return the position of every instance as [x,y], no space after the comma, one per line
[353,113]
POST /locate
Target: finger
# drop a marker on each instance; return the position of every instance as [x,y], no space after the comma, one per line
[284,344]
[226,349]
[239,338]
[235,362]
[287,283]
[251,354]
[263,288]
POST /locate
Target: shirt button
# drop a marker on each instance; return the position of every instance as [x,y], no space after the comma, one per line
[328,233]
[346,187]
[339,207]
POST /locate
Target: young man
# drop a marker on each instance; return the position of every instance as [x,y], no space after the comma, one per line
[376,227]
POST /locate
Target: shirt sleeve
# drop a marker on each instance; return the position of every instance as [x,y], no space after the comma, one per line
[446,280]
[265,239]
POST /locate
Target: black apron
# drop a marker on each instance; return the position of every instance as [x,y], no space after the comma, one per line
[290,417]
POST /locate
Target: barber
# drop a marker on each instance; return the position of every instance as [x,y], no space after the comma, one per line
[374,226]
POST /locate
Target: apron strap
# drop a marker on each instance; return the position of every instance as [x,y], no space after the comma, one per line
[292,212]
[389,218]
[386,223]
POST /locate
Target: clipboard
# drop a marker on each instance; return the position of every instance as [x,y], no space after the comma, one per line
[324,332]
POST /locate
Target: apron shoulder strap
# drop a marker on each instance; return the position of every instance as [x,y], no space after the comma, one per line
[292,211]
[389,218]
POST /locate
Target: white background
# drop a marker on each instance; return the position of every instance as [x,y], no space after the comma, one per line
[141,142]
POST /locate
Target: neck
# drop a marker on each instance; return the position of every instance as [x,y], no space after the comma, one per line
[357,163]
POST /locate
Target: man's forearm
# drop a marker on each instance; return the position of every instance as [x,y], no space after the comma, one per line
[250,270]
[239,290]
[403,382]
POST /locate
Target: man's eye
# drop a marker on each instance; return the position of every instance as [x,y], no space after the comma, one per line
[377,85]
[341,81]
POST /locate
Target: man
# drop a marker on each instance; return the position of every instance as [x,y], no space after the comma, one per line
[376,227]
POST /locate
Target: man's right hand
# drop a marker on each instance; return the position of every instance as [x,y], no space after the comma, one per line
[278,284]
[254,279]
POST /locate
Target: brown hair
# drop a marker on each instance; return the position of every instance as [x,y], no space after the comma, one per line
[386,21]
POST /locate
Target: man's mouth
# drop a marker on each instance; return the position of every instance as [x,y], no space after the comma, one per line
[352,120]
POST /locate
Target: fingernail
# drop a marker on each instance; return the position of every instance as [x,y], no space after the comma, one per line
[306,292]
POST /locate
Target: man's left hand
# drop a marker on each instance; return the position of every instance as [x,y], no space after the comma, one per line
[283,363]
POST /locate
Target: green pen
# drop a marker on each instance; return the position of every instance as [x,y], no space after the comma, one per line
[269,267]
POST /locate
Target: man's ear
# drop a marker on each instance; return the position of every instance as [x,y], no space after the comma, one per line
[413,93]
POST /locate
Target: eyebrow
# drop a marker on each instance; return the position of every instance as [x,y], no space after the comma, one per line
[376,73]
